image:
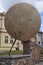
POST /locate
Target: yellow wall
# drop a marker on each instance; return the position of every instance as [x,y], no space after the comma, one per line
[3,33]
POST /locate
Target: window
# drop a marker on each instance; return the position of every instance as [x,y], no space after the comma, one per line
[18,44]
[42,43]
[6,39]
[11,40]
[39,34]
[17,48]
[0,23]
[39,42]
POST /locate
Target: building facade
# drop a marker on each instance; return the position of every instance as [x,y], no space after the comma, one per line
[39,38]
[6,40]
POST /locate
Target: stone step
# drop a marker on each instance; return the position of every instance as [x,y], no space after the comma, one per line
[41,60]
[40,63]
[41,57]
[42,54]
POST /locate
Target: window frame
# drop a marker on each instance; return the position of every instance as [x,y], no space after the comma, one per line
[6,39]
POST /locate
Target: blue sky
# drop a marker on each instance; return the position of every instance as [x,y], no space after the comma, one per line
[6,4]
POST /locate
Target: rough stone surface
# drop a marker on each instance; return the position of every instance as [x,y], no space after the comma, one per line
[26,47]
[22,21]
[19,61]
[35,50]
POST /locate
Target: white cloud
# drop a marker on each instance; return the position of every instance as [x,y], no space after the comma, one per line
[39,5]
[8,3]
[1,9]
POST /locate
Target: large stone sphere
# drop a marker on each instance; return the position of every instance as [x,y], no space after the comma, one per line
[22,21]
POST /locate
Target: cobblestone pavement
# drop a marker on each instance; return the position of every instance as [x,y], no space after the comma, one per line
[40,63]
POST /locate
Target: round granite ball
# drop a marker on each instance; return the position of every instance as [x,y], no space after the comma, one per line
[22,21]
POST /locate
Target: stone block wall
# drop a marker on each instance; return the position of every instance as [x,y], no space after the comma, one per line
[17,60]
[35,50]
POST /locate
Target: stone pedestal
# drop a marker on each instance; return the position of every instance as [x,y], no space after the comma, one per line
[26,47]
[16,60]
